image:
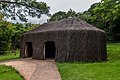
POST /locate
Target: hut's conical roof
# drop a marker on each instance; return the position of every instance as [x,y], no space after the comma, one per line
[65,24]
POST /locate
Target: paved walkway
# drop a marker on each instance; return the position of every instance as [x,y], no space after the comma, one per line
[35,69]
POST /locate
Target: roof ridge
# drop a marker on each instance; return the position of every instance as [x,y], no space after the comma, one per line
[65,24]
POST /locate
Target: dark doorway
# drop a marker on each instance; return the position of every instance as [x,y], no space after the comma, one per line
[50,49]
[28,49]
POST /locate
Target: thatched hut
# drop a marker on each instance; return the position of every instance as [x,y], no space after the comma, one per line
[67,40]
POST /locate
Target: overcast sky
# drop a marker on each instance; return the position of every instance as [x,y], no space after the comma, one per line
[64,5]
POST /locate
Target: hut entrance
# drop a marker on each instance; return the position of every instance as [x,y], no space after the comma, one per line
[28,49]
[50,49]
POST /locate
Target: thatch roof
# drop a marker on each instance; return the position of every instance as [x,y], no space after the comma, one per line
[65,24]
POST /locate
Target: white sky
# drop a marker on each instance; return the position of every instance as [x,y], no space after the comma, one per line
[64,5]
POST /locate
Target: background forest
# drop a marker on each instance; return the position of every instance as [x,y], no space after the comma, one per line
[104,15]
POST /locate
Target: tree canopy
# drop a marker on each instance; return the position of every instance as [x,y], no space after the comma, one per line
[23,8]
[63,15]
[105,15]
[10,34]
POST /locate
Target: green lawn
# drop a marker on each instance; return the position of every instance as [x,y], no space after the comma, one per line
[9,73]
[9,56]
[109,70]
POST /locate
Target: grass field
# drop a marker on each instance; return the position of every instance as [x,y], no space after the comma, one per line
[109,70]
[9,56]
[9,73]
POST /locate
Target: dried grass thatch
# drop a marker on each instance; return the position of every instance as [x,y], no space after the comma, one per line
[75,40]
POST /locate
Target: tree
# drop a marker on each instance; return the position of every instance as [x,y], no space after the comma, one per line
[63,15]
[18,30]
[23,8]
[1,17]
[10,34]
[58,16]
[107,12]
[6,33]
[71,13]
[91,17]
[105,15]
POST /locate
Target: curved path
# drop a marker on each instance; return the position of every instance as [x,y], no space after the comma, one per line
[35,69]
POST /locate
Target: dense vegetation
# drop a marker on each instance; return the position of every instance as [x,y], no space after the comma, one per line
[63,15]
[20,9]
[109,70]
[104,15]
[9,73]
[10,34]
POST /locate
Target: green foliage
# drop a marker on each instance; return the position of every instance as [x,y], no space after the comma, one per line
[10,55]
[19,29]
[10,34]
[63,15]
[9,73]
[23,8]
[58,16]
[1,16]
[6,34]
[105,15]
[108,70]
